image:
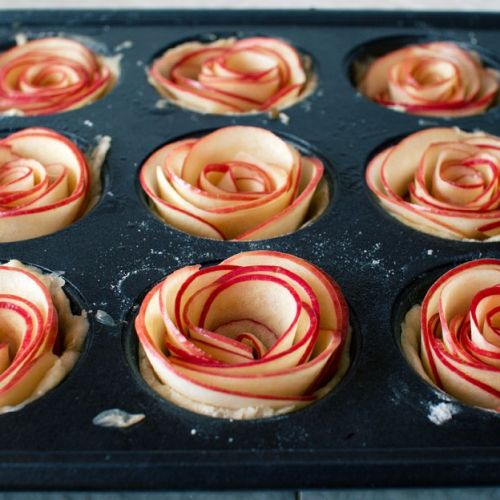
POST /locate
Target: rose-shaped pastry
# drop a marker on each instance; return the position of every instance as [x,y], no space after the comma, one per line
[232,76]
[40,338]
[259,334]
[441,181]
[51,75]
[44,183]
[241,183]
[454,338]
[434,79]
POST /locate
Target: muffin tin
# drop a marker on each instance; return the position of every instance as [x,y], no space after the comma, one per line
[380,426]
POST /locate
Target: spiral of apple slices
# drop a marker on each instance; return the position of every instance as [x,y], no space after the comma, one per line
[51,75]
[44,182]
[441,181]
[40,338]
[453,339]
[261,330]
[231,76]
[241,183]
[435,79]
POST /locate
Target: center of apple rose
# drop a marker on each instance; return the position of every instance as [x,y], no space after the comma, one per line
[17,178]
[252,333]
[465,180]
[24,180]
[248,61]
[251,312]
[52,79]
[464,176]
[432,72]
[12,172]
[237,177]
[493,320]
[40,77]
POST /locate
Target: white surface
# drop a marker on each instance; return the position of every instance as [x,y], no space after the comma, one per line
[452,5]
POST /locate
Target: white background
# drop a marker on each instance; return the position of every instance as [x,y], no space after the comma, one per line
[452,5]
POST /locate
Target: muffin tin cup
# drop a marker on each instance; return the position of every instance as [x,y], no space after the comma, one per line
[375,427]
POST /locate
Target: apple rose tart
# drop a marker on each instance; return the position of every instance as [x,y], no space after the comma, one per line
[453,339]
[241,183]
[233,76]
[441,181]
[44,183]
[40,338]
[51,75]
[434,79]
[261,333]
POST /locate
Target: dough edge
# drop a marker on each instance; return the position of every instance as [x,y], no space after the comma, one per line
[410,341]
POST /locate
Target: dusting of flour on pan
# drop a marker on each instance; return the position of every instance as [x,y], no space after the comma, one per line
[21,39]
[441,413]
[127,44]
[117,418]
